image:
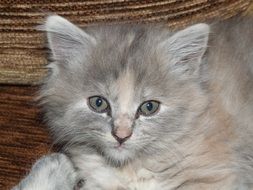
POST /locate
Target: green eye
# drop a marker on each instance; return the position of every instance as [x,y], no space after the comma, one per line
[98,104]
[149,107]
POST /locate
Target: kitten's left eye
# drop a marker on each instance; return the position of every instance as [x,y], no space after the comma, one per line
[98,104]
[149,107]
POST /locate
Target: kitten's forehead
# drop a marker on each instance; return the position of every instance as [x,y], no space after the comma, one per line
[126,60]
[125,91]
[126,63]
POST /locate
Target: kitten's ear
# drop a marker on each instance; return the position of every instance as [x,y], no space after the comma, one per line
[186,48]
[65,39]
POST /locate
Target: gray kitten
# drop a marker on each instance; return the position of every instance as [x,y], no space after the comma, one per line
[142,107]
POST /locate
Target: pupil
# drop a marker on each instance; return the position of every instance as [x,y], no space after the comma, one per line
[99,102]
[149,106]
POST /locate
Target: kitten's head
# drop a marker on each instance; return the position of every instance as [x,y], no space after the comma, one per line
[124,91]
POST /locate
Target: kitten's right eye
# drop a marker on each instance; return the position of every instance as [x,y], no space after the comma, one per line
[98,104]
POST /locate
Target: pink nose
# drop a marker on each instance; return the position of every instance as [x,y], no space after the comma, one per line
[121,134]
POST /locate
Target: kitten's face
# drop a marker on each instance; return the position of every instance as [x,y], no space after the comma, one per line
[123,91]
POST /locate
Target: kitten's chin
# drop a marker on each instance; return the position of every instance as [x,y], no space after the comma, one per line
[118,156]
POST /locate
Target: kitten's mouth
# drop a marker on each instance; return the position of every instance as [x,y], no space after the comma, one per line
[119,146]
[119,154]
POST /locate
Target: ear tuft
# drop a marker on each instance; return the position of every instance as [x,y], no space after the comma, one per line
[186,48]
[64,38]
[55,22]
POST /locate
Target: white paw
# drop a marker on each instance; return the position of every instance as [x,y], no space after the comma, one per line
[52,172]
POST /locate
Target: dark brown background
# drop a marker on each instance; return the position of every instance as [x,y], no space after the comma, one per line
[23,138]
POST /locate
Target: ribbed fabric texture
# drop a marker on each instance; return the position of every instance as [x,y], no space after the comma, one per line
[23,139]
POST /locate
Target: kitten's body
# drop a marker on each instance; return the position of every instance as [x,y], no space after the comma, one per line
[202,137]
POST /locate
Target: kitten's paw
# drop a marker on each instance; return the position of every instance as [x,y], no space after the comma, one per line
[51,172]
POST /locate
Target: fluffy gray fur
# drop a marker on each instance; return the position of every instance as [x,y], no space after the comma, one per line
[201,138]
